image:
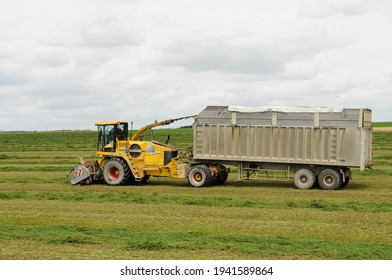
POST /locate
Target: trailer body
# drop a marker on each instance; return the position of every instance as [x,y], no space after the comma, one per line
[285,138]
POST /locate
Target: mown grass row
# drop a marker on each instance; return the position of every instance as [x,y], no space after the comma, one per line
[156,198]
[382,124]
[130,240]
[77,141]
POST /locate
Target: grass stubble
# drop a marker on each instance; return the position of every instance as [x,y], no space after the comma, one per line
[42,216]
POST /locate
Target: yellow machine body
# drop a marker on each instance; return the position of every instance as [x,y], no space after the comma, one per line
[145,158]
[124,159]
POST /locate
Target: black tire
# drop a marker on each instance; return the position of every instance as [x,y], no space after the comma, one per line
[116,172]
[221,177]
[145,179]
[304,179]
[329,179]
[200,176]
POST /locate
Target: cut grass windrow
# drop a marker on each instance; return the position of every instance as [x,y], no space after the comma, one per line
[139,198]
[257,246]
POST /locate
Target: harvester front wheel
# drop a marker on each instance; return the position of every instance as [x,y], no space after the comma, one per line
[116,172]
[199,176]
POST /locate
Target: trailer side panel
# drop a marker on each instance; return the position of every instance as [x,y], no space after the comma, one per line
[317,137]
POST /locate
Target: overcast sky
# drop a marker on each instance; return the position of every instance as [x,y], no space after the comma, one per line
[65,64]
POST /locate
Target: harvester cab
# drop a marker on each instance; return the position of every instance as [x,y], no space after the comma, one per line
[109,133]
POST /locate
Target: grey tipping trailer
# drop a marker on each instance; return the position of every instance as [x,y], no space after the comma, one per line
[317,145]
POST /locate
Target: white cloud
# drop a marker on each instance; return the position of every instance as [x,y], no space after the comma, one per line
[67,64]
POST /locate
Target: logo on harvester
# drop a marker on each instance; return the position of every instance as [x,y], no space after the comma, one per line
[150,149]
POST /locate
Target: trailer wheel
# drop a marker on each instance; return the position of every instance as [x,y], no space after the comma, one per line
[116,172]
[199,176]
[329,179]
[304,179]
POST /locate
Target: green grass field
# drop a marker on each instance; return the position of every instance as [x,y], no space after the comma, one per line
[382,124]
[42,216]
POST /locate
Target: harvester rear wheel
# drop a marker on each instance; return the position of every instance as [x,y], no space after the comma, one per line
[116,172]
[199,176]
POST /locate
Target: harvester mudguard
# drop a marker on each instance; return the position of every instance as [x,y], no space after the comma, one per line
[80,173]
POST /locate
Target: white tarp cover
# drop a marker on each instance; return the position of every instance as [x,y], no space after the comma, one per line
[283,109]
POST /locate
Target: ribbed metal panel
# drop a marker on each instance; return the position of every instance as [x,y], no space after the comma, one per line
[316,139]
